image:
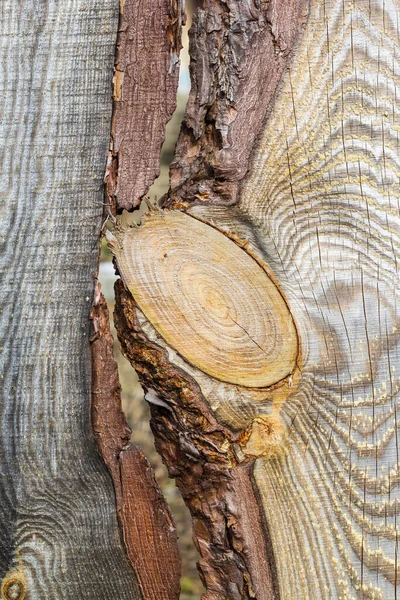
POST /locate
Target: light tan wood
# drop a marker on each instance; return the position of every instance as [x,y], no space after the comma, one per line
[323,198]
[208,299]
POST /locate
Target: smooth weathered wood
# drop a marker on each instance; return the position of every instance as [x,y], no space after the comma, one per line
[59,536]
[145,85]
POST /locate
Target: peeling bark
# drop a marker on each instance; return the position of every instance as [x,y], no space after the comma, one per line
[145,84]
[200,454]
[239,51]
[148,528]
[108,420]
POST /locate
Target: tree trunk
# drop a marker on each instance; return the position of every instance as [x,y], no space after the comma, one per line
[60,536]
[290,469]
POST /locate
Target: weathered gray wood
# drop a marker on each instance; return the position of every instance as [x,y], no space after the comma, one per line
[59,535]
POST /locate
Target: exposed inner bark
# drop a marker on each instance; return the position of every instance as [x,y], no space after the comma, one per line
[200,454]
[145,86]
[147,524]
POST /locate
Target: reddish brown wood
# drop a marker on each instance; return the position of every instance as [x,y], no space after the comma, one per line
[145,85]
[239,50]
[199,453]
[149,529]
[108,420]
[147,525]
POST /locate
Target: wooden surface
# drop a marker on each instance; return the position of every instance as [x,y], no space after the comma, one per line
[323,197]
[59,536]
[145,86]
[147,526]
[208,299]
[321,208]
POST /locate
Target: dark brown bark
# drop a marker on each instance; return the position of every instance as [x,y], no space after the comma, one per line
[239,51]
[145,86]
[147,525]
[108,421]
[200,453]
[145,83]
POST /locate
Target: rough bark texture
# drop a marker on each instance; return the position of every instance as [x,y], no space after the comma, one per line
[108,421]
[149,529]
[147,525]
[320,206]
[145,86]
[200,453]
[59,536]
[238,50]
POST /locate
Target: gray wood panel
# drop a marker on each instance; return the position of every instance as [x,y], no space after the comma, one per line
[59,529]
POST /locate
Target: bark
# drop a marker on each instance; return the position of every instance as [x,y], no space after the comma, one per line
[147,524]
[307,477]
[239,51]
[200,454]
[145,84]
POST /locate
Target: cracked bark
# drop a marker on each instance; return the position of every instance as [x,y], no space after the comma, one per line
[317,203]
[148,528]
[200,454]
[239,52]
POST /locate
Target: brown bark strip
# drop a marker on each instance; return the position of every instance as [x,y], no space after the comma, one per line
[149,533]
[147,525]
[145,86]
[108,420]
[198,452]
[239,50]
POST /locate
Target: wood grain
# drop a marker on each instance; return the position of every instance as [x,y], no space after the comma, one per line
[145,85]
[208,299]
[59,536]
[323,197]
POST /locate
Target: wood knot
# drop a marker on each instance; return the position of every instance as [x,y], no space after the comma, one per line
[209,299]
[14,585]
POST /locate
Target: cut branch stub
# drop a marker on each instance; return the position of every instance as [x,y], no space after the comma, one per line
[208,298]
